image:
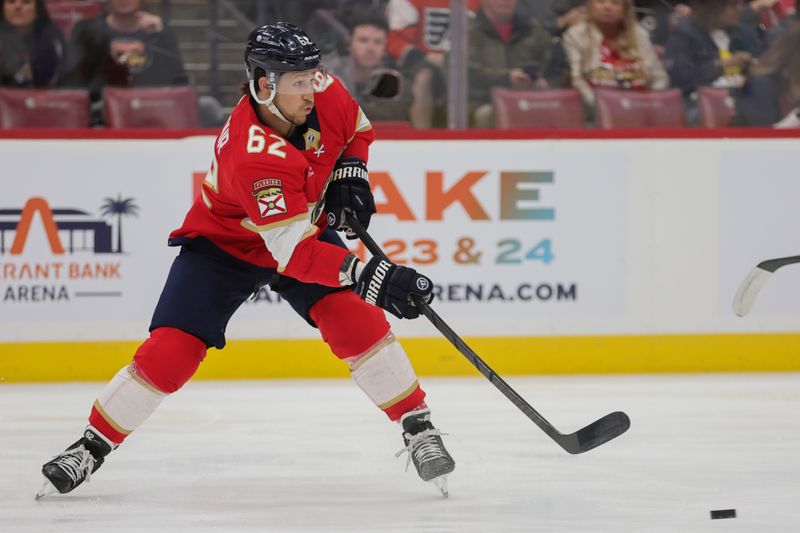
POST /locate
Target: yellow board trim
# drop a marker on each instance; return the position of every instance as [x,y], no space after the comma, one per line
[256,359]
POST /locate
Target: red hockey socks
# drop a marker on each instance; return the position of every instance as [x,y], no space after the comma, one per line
[162,364]
[358,333]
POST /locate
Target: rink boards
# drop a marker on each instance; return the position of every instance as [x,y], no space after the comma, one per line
[550,256]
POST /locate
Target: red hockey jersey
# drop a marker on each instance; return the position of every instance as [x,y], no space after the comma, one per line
[262,200]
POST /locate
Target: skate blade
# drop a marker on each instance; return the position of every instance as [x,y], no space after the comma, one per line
[441,484]
[47,490]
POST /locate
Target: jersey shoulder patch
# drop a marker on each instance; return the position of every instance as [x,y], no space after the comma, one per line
[270,197]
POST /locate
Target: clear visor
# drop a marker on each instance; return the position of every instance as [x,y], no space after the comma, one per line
[302,82]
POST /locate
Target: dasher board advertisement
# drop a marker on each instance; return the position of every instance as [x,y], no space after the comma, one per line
[507,238]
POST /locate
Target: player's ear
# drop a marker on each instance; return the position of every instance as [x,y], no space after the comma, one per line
[263,85]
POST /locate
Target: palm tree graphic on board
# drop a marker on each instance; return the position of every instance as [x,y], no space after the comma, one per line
[120,208]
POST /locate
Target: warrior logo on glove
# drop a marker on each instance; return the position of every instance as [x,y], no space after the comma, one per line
[393,287]
[375,282]
[349,190]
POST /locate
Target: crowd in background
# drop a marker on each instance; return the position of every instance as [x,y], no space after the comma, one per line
[749,48]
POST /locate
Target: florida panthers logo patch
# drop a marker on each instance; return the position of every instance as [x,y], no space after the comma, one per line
[269,197]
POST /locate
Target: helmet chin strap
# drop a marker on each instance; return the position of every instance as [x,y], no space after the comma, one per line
[269,101]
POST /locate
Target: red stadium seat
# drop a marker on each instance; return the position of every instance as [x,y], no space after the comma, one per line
[639,109]
[717,107]
[67,13]
[557,108]
[152,107]
[44,108]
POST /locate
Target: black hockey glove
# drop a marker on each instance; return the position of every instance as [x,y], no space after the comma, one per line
[390,286]
[349,189]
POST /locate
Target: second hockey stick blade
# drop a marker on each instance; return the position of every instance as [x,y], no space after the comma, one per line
[587,438]
[751,286]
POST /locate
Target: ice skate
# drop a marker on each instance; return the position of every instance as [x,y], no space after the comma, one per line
[425,448]
[74,465]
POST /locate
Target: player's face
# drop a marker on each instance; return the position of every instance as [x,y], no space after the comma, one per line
[295,95]
[367,46]
[303,82]
[19,13]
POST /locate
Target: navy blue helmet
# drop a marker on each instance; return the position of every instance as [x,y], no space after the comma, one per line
[280,47]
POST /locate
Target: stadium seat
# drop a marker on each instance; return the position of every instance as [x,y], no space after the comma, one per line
[66,13]
[639,109]
[717,107]
[558,108]
[44,108]
[152,107]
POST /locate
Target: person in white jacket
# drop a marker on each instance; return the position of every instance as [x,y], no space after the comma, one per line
[609,49]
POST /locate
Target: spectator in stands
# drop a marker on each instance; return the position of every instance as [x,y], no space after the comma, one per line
[418,40]
[365,65]
[565,14]
[660,17]
[610,50]
[32,48]
[709,49]
[418,30]
[774,88]
[750,28]
[773,18]
[124,47]
[129,47]
[541,11]
[505,50]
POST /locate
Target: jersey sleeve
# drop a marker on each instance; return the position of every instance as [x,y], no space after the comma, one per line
[358,127]
[273,198]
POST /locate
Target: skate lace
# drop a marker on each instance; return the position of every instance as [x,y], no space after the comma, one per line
[423,446]
[76,462]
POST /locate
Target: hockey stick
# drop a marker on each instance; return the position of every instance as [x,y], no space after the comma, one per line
[751,285]
[598,432]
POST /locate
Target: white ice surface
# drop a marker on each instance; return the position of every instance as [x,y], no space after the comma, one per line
[308,456]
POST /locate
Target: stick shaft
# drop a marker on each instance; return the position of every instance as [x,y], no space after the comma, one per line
[460,345]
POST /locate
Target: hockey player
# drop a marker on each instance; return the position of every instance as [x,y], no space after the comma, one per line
[287,165]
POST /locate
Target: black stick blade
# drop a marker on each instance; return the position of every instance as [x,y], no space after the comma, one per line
[771,265]
[598,432]
[588,438]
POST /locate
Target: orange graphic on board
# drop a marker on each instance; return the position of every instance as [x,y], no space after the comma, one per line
[33,206]
[440,199]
